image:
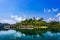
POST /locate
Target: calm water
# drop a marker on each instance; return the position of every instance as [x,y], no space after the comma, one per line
[13,35]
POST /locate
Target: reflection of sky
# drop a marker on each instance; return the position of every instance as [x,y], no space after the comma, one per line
[12,34]
[28,9]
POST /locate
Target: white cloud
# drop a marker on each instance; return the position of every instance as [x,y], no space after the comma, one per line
[37,18]
[59,18]
[17,18]
[55,18]
[50,10]
[55,9]
[47,10]
[58,15]
[7,21]
[12,16]
[50,19]
[13,19]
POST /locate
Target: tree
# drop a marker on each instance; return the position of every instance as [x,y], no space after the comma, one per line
[40,19]
[54,26]
[34,18]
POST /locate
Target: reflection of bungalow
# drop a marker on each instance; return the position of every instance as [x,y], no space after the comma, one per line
[27,27]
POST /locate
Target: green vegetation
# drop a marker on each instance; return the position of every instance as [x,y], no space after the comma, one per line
[54,26]
[39,26]
[33,22]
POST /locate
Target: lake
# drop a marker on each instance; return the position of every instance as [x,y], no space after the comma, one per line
[16,35]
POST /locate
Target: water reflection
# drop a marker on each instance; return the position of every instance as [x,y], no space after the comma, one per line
[13,35]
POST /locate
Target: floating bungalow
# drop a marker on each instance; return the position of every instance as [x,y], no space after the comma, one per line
[44,27]
[27,27]
[9,26]
[23,27]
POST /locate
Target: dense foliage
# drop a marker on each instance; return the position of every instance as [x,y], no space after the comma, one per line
[32,22]
[53,26]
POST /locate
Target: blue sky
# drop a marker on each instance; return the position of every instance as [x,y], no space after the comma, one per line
[12,11]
